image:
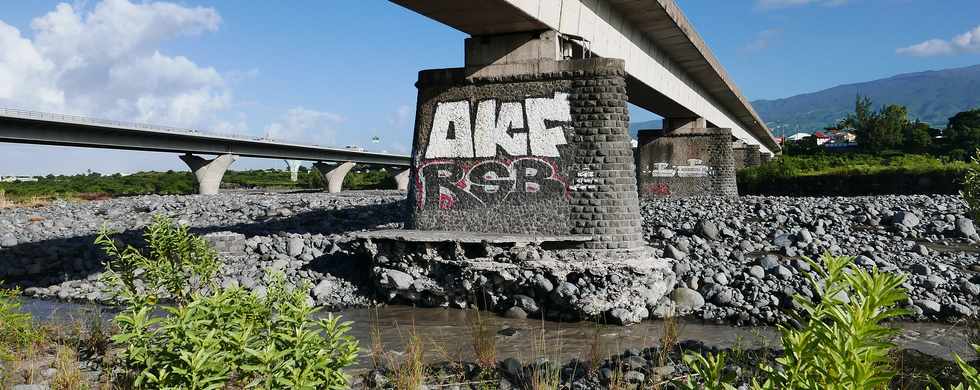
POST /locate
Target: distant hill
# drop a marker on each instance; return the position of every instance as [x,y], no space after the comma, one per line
[637,126]
[931,96]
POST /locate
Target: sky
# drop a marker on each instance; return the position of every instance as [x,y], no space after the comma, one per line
[341,72]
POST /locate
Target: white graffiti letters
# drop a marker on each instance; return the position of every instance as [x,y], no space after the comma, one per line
[454,115]
[453,136]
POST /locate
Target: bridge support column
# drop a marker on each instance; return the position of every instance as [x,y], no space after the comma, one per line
[293,169]
[691,162]
[746,155]
[334,174]
[401,180]
[208,172]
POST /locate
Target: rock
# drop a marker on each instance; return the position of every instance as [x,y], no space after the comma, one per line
[665,233]
[8,240]
[708,229]
[681,268]
[769,262]
[295,246]
[757,272]
[512,367]
[634,377]
[920,269]
[934,281]
[30,387]
[806,236]
[399,279]
[960,310]
[928,306]
[515,313]
[905,218]
[969,288]
[543,283]
[722,298]
[964,227]
[674,253]
[686,300]
[323,289]
[721,278]
[566,290]
[525,302]
[746,246]
[784,273]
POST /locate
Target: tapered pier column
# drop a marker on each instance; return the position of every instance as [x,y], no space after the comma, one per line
[208,172]
[293,169]
[402,180]
[334,174]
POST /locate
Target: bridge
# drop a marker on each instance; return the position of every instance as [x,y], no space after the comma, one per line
[669,70]
[31,127]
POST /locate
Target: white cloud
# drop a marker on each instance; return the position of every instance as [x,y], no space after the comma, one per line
[770,4]
[763,40]
[304,125]
[105,61]
[968,42]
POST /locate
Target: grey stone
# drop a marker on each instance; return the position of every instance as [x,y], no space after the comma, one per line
[964,227]
[399,279]
[674,253]
[905,218]
[928,306]
[784,273]
[512,367]
[806,236]
[769,262]
[969,288]
[8,240]
[686,300]
[721,278]
[567,290]
[920,269]
[960,310]
[722,298]
[515,313]
[295,246]
[525,302]
[757,272]
[708,229]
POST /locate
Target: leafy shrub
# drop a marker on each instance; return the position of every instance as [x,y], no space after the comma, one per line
[16,328]
[211,337]
[842,343]
[175,263]
[971,186]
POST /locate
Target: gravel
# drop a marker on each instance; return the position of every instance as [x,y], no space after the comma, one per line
[737,259]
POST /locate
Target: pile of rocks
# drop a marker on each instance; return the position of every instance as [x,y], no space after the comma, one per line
[741,260]
[50,252]
[736,259]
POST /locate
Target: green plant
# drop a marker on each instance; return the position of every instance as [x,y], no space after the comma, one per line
[212,338]
[842,343]
[971,186]
[175,259]
[67,376]
[970,373]
[17,330]
[711,369]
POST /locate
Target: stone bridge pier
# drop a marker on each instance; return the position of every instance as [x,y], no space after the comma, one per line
[523,185]
[686,158]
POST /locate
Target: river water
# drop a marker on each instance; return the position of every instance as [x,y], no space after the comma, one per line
[446,333]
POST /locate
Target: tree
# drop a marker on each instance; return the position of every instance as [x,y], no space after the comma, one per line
[963,130]
[877,130]
[917,136]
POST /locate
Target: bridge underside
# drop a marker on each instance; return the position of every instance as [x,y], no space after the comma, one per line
[671,72]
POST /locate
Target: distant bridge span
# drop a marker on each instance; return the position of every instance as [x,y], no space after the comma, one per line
[30,127]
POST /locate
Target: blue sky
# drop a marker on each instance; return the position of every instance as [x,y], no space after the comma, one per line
[339,72]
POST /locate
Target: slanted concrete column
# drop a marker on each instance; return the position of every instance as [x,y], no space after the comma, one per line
[402,180]
[293,169]
[334,174]
[208,172]
[694,162]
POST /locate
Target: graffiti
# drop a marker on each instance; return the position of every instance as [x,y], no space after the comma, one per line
[694,168]
[446,184]
[661,189]
[584,181]
[455,135]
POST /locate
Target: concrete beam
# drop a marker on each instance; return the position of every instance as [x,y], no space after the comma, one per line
[402,180]
[334,174]
[293,169]
[208,172]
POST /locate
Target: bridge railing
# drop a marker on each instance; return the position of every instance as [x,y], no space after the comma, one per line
[77,119]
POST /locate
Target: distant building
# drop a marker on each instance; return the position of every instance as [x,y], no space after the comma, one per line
[12,179]
[821,138]
[798,137]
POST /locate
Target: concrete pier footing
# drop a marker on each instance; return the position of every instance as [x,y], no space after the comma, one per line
[334,174]
[208,172]
[402,179]
[293,169]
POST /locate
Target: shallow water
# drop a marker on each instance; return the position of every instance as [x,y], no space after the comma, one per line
[446,333]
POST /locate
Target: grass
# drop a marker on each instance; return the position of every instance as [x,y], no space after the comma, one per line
[484,340]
